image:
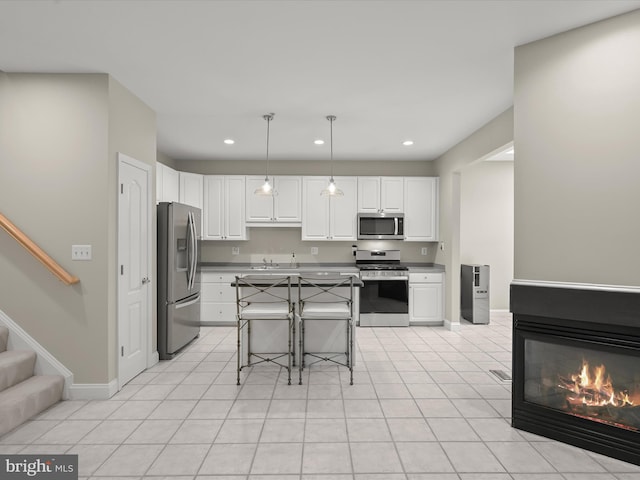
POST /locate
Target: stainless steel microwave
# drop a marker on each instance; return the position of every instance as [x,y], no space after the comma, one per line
[381,226]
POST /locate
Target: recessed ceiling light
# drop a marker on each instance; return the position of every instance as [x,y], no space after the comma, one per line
[319,142]
[229,141]
[407,143]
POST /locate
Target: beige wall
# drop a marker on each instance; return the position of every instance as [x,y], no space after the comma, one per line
[166,160]
[400,168]
[494,135]
[57,183]
[486,224]
[132,131]
[279,243]
[54,186]
[577,170]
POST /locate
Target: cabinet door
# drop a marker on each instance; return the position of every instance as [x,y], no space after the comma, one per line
[315,209]
[369,194]
[287,202]
[191,189]
[259,207]
[234,222]
[392,194]
[425,303]
[344,209]
[159,176]
[213,211]
[421,209]
[170,184]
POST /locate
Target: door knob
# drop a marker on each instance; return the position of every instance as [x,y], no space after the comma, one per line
[145,280]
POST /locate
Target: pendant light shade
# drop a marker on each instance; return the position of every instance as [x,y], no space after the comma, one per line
[266,188]
[331,189]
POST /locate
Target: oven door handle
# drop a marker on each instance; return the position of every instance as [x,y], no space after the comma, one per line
[373,279]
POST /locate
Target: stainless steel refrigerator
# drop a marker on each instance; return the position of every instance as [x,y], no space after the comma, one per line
[178,277]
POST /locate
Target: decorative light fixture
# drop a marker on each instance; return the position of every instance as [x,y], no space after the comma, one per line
[331,189]
[266,188]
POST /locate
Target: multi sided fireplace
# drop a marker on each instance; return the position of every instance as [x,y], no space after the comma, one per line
[576,366]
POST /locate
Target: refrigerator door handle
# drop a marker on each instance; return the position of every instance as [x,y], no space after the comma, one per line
[190,252]
[194,250]
[187,304]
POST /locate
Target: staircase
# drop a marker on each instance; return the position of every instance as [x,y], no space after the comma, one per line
[23,394]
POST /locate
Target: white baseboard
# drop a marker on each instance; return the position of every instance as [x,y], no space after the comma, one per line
[93,391]
[46,364]
[499,310]
[451,326]
[153,359]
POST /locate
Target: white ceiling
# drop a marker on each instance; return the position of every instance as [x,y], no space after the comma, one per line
[429,71]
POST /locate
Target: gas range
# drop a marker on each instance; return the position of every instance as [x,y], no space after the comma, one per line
[384,296]
[380,263]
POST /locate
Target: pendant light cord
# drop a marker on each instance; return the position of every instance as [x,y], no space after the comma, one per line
[268,118]
[331,118]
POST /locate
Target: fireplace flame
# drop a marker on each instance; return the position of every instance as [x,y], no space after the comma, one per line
[594,388]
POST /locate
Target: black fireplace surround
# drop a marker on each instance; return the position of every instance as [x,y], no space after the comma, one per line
[576,366]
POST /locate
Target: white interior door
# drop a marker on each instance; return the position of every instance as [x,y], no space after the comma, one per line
[134,267]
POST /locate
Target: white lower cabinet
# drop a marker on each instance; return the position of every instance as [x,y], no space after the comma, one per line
[426,298]
[218,298]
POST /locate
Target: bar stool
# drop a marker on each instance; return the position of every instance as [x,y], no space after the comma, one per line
[325,299]
[264,298]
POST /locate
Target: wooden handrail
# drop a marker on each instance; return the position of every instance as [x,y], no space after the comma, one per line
[37,252]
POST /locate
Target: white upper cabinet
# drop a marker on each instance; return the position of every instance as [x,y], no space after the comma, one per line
[167,184]
[421,209]
[326,217]
[191,189]
[281,209]
[224,208]
[380,194]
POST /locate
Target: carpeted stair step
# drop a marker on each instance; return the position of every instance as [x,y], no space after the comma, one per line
[4,337]
[26,399]
[15,367]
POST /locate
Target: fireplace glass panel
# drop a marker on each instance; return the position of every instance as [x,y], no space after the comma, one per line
[594,384]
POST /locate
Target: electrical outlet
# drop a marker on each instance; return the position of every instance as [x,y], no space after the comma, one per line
[423,251]
[80,252]
[235,250]
[314,250]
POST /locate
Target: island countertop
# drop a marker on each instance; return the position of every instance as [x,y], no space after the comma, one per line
[306,267]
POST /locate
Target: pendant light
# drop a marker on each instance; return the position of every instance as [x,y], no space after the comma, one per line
[331,189]
[266,188]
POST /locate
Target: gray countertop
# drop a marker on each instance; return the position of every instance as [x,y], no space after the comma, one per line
[307,267]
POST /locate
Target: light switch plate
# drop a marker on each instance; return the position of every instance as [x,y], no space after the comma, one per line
[80,252]
[423,251]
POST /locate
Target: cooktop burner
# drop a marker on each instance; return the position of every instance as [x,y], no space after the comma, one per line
[381,266]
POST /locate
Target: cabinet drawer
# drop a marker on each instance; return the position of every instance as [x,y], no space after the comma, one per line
[217,277]
[218,292]
[218,312]
[425,278]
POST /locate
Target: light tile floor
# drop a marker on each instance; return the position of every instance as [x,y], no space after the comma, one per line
[423,407]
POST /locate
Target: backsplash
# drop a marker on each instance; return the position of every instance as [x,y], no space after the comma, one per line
[278,243]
